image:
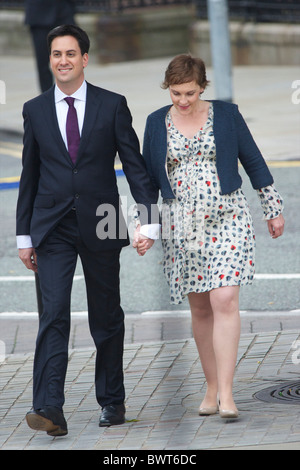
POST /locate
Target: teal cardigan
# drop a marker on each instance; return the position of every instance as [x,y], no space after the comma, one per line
[233,142]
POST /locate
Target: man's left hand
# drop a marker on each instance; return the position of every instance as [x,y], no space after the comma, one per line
[141,242]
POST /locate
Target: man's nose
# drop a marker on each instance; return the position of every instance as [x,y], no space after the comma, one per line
[63,59]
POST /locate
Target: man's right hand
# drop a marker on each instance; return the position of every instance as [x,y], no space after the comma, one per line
[28,257]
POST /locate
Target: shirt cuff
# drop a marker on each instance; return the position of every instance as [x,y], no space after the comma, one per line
[24,241]
[151,231]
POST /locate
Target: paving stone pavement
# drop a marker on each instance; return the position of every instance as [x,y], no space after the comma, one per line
[164,384]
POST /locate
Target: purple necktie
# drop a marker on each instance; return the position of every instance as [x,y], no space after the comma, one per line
[72,129]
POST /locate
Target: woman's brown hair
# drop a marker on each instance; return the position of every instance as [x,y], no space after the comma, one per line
[184,69]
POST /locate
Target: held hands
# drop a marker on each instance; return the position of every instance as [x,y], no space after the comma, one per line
[28,257]
[276,226]
[141,243]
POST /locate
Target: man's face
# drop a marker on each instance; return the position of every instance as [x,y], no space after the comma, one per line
[67,63]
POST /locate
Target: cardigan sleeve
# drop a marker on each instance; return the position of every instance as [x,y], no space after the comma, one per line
[271,202]
[250,155]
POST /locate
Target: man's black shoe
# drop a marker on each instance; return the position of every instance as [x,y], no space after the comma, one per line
[112,415]
[49,419]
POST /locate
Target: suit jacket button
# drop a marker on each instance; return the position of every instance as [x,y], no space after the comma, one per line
[75,171]
[76,196]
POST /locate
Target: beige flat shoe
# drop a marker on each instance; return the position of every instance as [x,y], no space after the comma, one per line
[209,410]
[229,414]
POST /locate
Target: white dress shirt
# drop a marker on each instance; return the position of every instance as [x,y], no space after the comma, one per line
[62,107]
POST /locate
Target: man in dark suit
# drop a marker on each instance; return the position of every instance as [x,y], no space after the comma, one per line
[42,16]
[68,193]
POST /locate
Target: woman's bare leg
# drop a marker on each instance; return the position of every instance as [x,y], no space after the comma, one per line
[225,305]
[203,323]
[216,329]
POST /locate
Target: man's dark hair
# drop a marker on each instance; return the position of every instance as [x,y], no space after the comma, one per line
[70,30]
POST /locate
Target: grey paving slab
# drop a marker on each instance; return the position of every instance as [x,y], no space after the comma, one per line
[164,383]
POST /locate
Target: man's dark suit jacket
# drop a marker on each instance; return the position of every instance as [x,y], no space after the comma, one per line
[51,185]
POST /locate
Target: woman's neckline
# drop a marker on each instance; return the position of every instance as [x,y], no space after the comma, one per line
[195,136]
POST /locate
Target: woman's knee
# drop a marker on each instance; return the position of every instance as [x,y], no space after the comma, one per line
[200,305]
[225,299]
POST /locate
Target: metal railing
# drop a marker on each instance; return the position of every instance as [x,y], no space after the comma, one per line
[283,11]
[88,6]
[120,5]
[277,11]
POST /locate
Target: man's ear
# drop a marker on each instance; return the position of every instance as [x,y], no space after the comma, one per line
[85,58]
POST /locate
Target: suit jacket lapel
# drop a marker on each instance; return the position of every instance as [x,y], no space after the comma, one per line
[93,104]
[49,112]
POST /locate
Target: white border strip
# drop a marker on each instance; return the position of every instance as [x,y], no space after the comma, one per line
[159,313]
[277,276]
[31,315]
[28,278]
[244,313]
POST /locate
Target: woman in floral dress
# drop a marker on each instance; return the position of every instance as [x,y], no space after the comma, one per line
[191,149]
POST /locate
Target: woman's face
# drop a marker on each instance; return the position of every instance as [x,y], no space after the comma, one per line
[185,97]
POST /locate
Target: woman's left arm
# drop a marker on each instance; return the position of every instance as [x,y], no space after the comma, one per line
[272,205]
[260,176]
[249,154]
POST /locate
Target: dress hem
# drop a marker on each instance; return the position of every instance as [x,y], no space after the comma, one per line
[197,291]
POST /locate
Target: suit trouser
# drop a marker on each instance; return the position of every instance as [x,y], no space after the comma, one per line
[39,38]
[56,258]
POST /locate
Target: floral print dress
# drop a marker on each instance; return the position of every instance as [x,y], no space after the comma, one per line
[208,238]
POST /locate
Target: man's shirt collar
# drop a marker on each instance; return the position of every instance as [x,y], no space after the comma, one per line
[79,94]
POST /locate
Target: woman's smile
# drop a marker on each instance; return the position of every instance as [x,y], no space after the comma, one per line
[185,97]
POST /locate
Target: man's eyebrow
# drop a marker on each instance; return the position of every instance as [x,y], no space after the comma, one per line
[70,50]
